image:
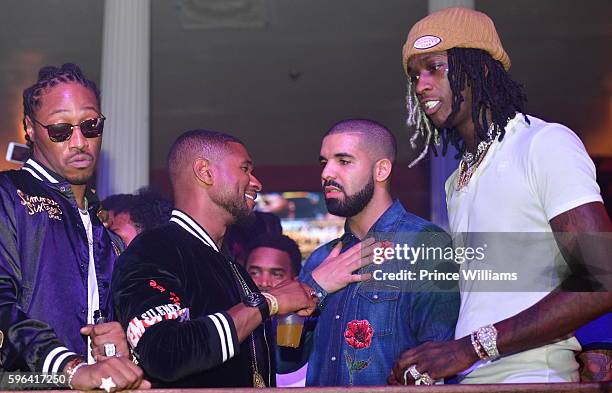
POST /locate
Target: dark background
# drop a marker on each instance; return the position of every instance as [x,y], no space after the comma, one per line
[280,84]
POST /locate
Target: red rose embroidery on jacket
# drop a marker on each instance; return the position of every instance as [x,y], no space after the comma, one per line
[358,335]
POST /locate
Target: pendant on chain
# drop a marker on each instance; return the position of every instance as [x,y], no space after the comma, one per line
[258,381]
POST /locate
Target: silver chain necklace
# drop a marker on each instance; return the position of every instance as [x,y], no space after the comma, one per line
[469,162]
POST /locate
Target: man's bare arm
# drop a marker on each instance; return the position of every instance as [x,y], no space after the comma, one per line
[560,313]
[553,317]
[591,217]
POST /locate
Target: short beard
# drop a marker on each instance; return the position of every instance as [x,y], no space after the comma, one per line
[353,204]
[79,180]
[239,212]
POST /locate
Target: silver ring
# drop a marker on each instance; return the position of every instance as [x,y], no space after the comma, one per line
[414,373]
[110,350]
[107,384]
[424,380]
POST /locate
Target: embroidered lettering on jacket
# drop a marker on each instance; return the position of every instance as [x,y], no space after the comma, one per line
[138,326]
[39,204]
[173,296]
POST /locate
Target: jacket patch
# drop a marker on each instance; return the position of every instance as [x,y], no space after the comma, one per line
[138,326]
[39,204]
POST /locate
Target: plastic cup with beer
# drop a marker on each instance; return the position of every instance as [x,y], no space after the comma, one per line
[289,330]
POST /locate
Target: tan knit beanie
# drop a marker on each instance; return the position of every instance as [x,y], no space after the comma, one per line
[454,28]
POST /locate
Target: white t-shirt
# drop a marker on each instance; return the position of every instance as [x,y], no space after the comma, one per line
[535,173]
[93,295]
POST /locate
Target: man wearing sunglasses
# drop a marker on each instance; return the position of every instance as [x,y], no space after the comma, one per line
[56,256]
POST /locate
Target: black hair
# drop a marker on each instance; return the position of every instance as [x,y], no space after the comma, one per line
[380,140]
[48,77]
[193,143]
[118,203]
[282,243]
[147,209]
[492,89]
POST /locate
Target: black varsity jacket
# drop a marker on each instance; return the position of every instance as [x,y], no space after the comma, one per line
[170,289]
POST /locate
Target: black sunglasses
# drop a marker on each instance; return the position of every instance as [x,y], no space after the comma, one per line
[60,132]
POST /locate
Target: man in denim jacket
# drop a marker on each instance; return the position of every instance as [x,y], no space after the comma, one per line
[367,319]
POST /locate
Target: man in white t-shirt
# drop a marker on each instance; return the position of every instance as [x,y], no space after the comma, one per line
[531,180]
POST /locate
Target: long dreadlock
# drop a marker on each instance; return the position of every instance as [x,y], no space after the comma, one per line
[493,92]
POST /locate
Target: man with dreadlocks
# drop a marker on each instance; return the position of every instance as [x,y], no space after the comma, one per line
[517,174]
[56,256]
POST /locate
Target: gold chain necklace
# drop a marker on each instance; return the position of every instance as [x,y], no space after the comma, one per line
[258,380]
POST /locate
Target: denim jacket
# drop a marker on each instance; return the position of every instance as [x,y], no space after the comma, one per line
[401,315]
[44,258]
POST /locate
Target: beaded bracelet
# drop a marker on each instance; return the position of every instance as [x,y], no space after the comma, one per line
[273,303]
[71,369]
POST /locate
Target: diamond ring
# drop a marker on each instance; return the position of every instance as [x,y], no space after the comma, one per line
[110,350]
[424,380]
